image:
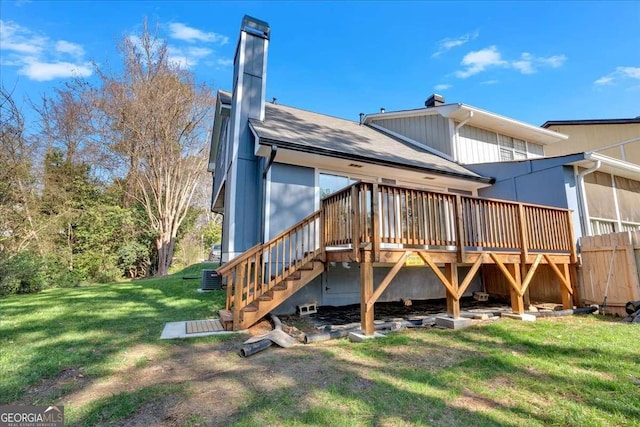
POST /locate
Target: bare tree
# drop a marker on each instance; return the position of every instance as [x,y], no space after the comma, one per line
[154,119]
[18,227]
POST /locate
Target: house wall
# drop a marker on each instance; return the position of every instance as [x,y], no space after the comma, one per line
[476,145]
[543,181]
[583,138]
[433,131]
[341,286]
[292,194]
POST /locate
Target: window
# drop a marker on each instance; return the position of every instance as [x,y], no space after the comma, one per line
[512,148]
[329,183]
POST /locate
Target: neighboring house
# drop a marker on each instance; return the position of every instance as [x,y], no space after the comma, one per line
[395,195]
[610,180]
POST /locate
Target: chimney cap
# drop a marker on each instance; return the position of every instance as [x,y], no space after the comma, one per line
[256,26]
[434,100]
[382,110]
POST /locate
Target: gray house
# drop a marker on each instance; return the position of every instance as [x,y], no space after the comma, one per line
[396,184]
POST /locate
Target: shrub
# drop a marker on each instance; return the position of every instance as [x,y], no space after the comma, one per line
[21,274]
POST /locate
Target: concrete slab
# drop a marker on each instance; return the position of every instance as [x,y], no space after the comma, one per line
[359,336]
[173,330]
[524,317]
[450,323]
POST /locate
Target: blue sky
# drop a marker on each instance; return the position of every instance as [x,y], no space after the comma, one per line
[532,61]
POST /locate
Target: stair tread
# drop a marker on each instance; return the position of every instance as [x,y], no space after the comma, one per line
[225,315]
[250,307]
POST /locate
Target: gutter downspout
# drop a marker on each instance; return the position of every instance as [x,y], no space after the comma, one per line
[586,224]
[272,157]
[266,194]
[456,145]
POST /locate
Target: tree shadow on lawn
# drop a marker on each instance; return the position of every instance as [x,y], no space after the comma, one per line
[481,388]
[48,334]
[479,376]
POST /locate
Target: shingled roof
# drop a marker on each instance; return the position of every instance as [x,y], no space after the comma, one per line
[309,132]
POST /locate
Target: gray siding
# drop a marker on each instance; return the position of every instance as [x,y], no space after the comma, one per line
[244,190]
[544,181]
[433,131]
[221,157]
[292,196]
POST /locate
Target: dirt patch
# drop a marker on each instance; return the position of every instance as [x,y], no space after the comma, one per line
[51,389]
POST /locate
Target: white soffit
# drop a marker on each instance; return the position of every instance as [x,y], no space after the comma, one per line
[610,165]
[349,167]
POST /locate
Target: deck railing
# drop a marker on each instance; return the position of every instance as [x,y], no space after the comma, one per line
[402,217]
[260,268]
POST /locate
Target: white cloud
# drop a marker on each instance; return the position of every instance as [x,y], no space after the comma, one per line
[489,82]
[181,31]
[72,49]
[224,62]
[478,61]
[442,86]
[619,74]
[604,80]
[187,57]
[447,44]
[554,61]
[38,57]
[632,72]
[20,40]
[44,71]
[529,64]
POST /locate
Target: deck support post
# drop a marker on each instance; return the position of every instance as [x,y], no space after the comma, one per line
[366,292]
[517,301]
[453,301]
[567,297]
[566,291]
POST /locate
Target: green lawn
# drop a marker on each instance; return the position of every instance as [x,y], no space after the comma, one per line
[89,329]
[582,370]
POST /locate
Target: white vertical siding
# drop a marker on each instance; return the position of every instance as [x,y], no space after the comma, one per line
[482,146]
[477,145]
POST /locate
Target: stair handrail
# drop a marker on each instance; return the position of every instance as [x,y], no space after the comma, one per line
[256,254]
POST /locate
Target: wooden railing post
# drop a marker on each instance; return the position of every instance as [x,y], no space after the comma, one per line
[375,222]
[572,238]
[322,227]
[239,289]
[461,238]
[355,223]
[524,243]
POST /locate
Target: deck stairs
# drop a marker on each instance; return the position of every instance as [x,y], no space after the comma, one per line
[266,275]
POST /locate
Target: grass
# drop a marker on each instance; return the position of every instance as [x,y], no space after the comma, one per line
[571,371]
[87,330]
[581,370]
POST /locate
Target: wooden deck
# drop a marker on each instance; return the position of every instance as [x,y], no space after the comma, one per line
[383,225]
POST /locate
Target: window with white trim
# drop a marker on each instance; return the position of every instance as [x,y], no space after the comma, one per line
[511,148]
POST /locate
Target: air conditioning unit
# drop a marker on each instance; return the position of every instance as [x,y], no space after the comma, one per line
[211,281]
